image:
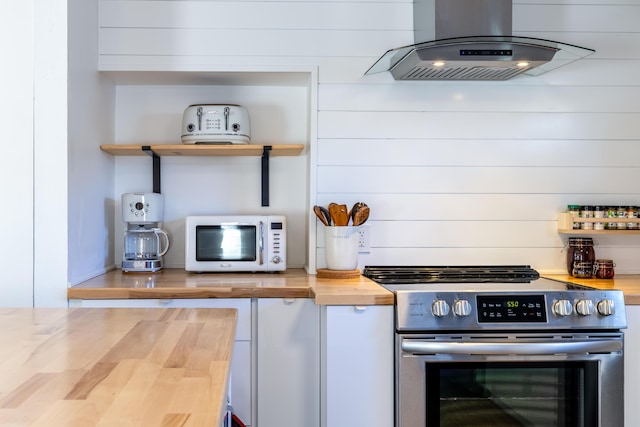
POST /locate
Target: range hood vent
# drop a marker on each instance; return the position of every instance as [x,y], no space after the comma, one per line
[472,40]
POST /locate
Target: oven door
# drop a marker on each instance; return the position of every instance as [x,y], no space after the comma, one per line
[532,379]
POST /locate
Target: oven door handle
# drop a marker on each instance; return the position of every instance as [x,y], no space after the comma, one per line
[519,348]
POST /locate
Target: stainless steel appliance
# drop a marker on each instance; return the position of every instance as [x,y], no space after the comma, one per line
[472,40]
[215,124]
[500,346]
[144,242]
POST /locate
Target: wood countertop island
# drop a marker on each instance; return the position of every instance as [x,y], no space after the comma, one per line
[114,367]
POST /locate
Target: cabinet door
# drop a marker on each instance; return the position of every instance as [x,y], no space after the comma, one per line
[358,365]
[288,363]
[631,366]
[240,392]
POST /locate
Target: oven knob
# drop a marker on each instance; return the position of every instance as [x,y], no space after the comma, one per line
[584,307]
[462,308]
[562,307]
[440,308]
[606,307]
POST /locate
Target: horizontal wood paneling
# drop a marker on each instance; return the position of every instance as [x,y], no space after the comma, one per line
[478,124]
[319,28]
[353,15]
[485,97]
[603,17]
[575,154]
[246,42]
[490,179]
[293,15]
[455,172]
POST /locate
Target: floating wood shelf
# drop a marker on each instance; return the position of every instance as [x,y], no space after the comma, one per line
[202,150]
[208,150]
[565,225]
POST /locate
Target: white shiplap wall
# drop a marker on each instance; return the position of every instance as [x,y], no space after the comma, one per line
[455,172]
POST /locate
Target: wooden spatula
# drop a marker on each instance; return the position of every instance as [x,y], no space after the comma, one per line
[339,214]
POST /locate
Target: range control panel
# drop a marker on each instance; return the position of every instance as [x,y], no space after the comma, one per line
[511,308]
[571,309]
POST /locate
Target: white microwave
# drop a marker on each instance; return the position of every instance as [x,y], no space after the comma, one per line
[236,243]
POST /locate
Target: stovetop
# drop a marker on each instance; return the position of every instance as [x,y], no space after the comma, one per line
[451,274]
[503,278]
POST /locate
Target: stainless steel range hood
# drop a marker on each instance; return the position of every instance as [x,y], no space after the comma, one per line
[471,40]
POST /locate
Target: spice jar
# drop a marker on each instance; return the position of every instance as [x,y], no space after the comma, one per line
[632,212]
[612,212]
[582,270]
[622,213]
[599,212]
[580,249]
[574,212]
[586,212]
[603,269]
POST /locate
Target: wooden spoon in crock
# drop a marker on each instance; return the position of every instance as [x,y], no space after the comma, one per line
[360,215]
[323,215]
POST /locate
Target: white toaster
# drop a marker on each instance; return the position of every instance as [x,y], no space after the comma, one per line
[215,124]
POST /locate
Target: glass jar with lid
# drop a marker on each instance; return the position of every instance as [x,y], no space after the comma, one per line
[579,249]
[604,269]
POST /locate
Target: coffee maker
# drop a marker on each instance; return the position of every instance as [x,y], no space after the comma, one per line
[144,242]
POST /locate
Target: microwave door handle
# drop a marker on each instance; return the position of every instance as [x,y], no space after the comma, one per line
[501,348]
[261,244]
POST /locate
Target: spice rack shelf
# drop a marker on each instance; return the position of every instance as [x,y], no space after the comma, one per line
[161,150]
[565,225]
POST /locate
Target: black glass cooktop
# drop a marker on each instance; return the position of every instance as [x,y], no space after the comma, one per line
[451,274]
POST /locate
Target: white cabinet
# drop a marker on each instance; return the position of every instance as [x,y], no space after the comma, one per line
[240,392]
[631,366]
[288,341]
[357,366]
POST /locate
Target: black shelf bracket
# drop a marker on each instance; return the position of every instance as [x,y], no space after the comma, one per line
[265,175]
[266,150]
[156,167]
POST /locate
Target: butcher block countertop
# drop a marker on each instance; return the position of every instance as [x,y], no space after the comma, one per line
[178,283]
[294,283]
[94,366]
[627,283]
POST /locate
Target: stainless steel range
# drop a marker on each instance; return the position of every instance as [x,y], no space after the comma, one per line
[500,346]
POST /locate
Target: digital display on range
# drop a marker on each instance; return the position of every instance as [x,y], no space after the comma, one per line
[511,308]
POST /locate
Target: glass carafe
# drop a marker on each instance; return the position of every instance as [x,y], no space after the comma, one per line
[145,244]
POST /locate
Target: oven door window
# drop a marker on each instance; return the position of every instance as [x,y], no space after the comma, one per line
[226,243]
[532,394]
